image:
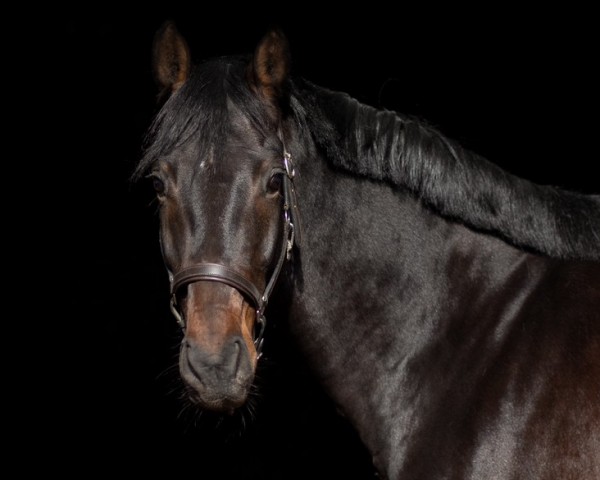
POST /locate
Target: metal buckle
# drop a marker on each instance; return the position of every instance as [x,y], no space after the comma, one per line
[262,321]
[289,166]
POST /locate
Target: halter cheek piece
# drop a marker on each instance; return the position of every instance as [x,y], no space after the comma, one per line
[214,272]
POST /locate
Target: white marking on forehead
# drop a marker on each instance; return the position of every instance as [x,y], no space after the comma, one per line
[209,159]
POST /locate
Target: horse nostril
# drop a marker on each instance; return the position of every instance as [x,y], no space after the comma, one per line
[237,353]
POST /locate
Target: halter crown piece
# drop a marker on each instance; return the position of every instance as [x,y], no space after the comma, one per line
[214,272]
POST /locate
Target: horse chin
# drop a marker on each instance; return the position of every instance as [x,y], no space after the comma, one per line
[224,399]
[217,403]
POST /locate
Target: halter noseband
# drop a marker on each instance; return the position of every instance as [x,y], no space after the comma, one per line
[214,272]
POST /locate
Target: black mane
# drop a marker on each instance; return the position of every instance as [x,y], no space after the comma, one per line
[408,153]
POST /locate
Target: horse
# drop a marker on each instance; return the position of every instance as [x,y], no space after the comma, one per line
[448,308]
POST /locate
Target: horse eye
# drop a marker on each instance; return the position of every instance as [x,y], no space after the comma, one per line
[158,185]
[274,184]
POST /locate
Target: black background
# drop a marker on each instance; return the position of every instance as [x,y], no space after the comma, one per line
[517,87]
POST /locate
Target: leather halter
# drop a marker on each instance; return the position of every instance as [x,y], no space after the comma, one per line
[214,272]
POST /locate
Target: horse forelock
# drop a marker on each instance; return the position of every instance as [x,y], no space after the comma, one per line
[215,99]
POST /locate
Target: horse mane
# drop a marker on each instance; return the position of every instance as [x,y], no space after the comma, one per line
[458,184]
[386,146]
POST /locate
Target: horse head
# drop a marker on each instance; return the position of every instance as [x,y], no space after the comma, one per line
[223,180]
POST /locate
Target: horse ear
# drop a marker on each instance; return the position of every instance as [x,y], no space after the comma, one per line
[270,67]
[171,59]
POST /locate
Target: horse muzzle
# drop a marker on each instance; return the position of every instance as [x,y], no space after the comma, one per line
[218,356]
[217,381]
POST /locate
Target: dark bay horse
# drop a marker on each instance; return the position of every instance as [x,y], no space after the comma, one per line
[450,309]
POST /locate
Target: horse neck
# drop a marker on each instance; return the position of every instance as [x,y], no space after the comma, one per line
[376,261]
